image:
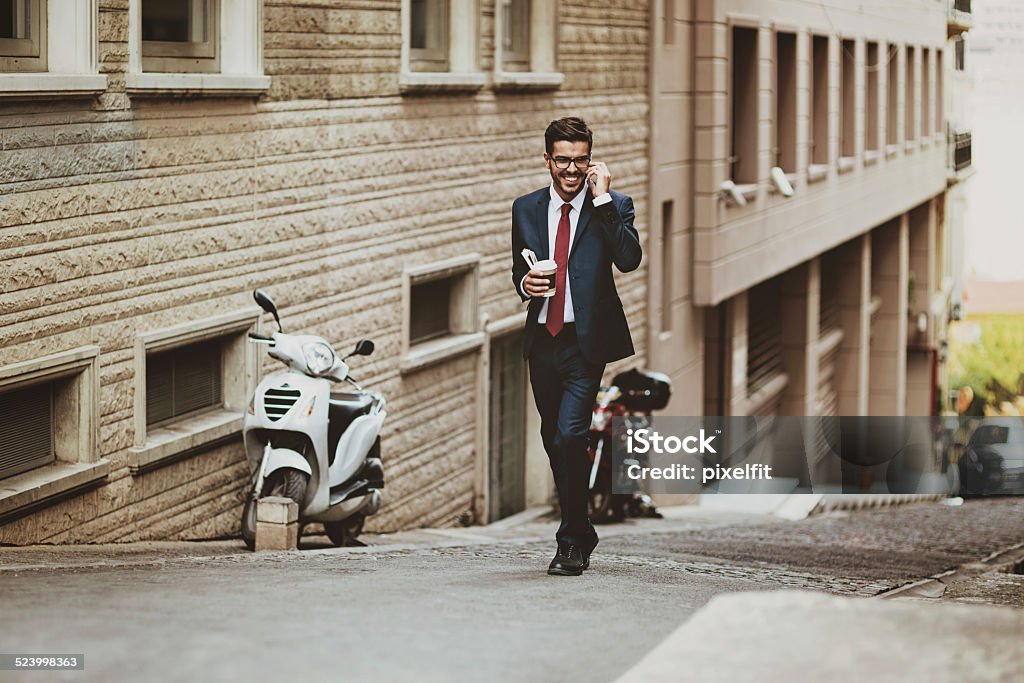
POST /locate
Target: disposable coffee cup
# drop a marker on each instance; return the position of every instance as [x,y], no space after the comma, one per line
[548,269]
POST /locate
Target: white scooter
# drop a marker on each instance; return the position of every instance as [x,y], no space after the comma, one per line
[307,443]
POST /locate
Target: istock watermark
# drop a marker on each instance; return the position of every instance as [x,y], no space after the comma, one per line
[783,454]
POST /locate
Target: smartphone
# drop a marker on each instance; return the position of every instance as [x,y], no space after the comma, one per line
[591,181]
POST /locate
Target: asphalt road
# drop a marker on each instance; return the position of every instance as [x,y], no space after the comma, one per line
[473,605]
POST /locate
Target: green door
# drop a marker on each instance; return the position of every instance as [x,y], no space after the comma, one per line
[508,427]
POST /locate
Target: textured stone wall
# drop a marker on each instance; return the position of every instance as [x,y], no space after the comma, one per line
[123,215]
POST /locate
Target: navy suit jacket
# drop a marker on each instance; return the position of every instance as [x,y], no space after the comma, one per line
[604,235]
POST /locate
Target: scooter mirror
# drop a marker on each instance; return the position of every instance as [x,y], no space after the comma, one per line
[267,304]
[364,347]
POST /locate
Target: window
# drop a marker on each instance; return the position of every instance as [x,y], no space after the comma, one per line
[22,35]
[892,104]
[940,71]
[430,310]
[441,317]
[785,101]
[764,334]
[926,93]
[909,131]
[26,432]
[871,97]
[848,118]
[524,48]
[48,48]
[428,35]
[439,46]
[48,435]
[515,35]
[192,382]
[958,53]
[743,128]
[667,267]
[183,381]
[179,35]
[195,46]
[669,22]
[819,100]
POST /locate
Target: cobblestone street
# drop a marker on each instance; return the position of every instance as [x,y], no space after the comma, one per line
[464,604]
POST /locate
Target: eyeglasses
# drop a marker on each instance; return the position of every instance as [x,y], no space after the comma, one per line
[562,163]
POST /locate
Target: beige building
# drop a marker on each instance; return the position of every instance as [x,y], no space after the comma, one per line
[160,159]
[357,159]
[800,170]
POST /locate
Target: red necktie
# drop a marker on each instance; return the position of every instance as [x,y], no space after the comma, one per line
[556,308]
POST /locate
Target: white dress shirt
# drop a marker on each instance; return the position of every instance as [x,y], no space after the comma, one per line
[554,216]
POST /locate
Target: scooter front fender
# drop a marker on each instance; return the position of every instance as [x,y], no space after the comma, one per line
[280,458]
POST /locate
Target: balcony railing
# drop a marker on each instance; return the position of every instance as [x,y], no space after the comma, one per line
[961,151]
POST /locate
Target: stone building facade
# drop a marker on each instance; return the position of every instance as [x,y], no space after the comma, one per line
[803,260]
[146,188]
[789,162]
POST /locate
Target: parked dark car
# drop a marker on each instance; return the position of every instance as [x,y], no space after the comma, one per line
[993,461]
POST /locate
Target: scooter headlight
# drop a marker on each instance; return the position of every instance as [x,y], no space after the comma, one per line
[319,357]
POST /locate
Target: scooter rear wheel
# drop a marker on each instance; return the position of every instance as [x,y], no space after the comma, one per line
[346,531]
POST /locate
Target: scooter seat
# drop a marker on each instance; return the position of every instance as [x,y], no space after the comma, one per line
[344,407]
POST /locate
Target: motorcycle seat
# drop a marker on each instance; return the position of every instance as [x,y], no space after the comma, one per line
[343,408]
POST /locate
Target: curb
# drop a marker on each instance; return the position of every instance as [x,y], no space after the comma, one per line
[934,587]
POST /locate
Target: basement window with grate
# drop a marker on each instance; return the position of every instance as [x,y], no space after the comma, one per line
[192,382]
[48,432]
[26,431]
[183,381]
[441,316]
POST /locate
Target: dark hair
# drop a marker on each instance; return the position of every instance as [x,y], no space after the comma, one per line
[571,129]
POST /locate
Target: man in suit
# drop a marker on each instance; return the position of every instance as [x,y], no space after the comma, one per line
[585,227]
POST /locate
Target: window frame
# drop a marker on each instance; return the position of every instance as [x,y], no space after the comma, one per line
[515,22]
[819,118]
[462,69]
[194,432]
[538,68]
[872,97]
[27,54]
[464,333]
[785,152]
[744,150]
[77,466]
[164,56]
[432,59]
[67,61]
[239,64]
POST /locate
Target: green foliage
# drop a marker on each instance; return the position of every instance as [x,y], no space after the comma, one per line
[986,348]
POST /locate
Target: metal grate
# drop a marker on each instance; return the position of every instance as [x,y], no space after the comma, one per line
[962,151]
[764,334]
[277,402]
[26,429]
[182,381]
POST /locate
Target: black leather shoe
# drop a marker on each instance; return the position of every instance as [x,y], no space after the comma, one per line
[568,561]
[589,550]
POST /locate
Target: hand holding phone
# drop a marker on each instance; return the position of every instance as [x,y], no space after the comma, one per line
[599,178]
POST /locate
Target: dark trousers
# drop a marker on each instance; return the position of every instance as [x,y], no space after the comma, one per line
[565,385]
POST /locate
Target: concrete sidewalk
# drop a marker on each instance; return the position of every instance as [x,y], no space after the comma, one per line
[531,526]
[794,636]
[476,603]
